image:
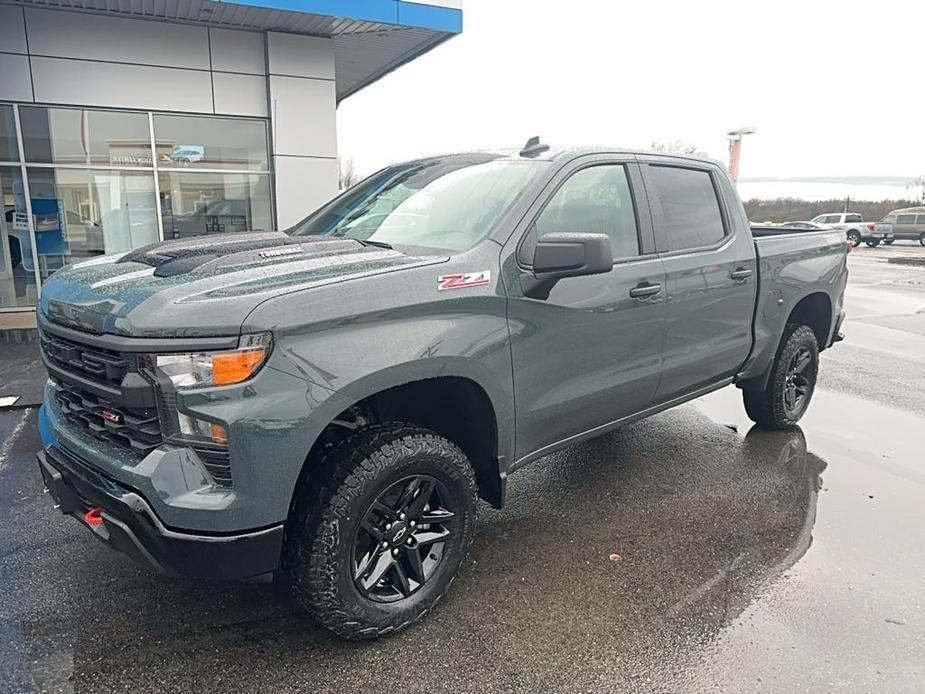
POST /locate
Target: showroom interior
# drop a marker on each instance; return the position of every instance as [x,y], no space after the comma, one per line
[123,123]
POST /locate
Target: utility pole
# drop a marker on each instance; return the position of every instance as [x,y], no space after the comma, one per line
[735,149]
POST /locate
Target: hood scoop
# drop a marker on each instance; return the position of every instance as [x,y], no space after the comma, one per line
[173,258]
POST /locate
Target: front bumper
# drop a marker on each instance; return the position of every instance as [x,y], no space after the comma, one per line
[129,525]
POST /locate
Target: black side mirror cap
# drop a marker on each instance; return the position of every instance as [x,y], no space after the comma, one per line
[562,255]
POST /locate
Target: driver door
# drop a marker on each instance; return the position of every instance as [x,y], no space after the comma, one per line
[591,353]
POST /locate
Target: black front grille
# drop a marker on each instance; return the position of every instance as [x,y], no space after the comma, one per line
[105,393]
[139,429]
[97,364]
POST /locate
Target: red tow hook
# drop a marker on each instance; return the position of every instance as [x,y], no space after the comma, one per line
[94,517]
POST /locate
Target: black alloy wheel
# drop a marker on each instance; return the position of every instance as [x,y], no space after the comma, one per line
[399,544]
[797,384]
[790,384]
[379,529]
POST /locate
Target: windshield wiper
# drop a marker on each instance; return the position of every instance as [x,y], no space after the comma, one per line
[377,244]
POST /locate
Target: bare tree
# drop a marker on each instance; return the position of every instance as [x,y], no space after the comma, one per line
[677,147]
[916,188]
[348,176]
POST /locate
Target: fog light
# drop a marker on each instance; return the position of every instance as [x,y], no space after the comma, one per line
[195,429]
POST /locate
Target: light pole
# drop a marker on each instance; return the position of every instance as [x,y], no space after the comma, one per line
[735,148]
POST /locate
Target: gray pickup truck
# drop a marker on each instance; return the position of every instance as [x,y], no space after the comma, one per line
[327,403]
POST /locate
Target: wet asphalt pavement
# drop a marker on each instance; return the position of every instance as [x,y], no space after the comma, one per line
[748,561]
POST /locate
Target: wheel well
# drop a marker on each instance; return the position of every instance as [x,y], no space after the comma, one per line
[456,408]
[814,311]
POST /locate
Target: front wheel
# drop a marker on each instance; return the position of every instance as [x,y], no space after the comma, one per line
[874,243]
[888,241]
[922,239]
[379,531]
[854,238]
[793,380]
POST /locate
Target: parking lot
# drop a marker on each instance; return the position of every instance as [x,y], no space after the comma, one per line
[687,552]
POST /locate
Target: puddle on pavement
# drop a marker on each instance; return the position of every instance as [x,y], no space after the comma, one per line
[718,527]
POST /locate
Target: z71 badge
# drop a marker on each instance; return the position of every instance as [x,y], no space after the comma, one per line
[463,279]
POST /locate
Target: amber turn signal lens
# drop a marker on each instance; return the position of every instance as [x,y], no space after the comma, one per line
[234,367]
[219,435]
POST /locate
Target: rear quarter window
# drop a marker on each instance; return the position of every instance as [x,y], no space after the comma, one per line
[905,219]
[688,207]
[920,219]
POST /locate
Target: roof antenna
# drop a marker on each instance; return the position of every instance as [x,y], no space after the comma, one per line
[533,147]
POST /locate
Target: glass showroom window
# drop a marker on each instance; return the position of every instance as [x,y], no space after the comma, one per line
[81,213]
[214,202]
[103,182]
[206,142]
[17,270]
[85,137]
[213,175]
[18,286]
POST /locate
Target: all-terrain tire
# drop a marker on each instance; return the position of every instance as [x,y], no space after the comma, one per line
[318,561]
[768,408]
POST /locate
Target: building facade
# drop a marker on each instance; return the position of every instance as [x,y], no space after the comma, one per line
[125,123]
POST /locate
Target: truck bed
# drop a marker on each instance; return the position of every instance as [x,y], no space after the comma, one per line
[790,261]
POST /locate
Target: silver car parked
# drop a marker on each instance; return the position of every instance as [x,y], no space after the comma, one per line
[908,224]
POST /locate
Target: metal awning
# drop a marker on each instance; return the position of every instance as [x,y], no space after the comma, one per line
[371,37]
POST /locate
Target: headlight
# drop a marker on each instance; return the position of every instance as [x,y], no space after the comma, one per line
[198,370]
[177,372]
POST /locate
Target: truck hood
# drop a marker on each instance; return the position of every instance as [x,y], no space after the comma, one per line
[204,287]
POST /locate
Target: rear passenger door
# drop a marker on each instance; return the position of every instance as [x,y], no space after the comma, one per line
[708,255]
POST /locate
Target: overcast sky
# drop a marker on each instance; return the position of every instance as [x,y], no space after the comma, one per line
[835,89]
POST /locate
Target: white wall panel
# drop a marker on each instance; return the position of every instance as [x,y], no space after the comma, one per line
[304,111]
[302,186]
[240,95]
[12,30]
[15,84]
[300,56]
[238,51]
[92,37]
[87,83]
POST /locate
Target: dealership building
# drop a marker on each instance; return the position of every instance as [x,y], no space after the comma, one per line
[125,122]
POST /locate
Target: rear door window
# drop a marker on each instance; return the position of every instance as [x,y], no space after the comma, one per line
[920,219]
[687,207]
[905,219]
[853,218]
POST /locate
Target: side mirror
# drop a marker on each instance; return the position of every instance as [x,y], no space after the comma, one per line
[562,255]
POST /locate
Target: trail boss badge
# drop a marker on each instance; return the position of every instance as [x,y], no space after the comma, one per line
[463,280]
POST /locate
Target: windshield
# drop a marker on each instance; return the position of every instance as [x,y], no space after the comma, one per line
[441,204]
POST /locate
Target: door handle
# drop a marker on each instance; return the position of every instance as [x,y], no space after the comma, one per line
[740,274]
[641,291]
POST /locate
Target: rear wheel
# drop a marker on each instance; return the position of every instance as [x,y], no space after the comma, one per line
[793,380]
[922,239]
[854,238]
[888,241]
[379,532]
[874,243]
